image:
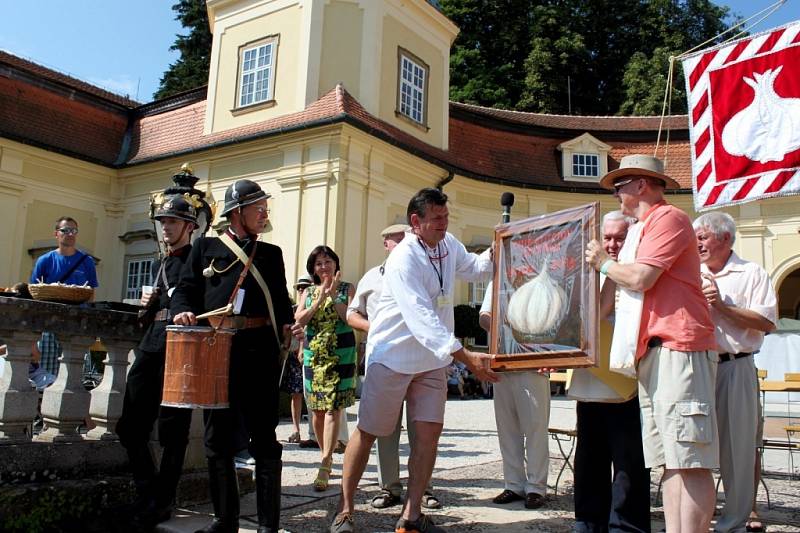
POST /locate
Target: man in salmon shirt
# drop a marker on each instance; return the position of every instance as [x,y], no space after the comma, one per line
[675,357]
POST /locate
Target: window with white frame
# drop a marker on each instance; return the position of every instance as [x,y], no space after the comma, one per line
[138,274]
[257,72]
[585,165]
[412,87]
[477,290]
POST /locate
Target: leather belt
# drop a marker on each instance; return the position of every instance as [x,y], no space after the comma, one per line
[653,342]
[725,357]
[239,322]
[162,316]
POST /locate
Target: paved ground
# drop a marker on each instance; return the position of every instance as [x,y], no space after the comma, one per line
[468,474]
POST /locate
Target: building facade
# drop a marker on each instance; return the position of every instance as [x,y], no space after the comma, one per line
[339,109]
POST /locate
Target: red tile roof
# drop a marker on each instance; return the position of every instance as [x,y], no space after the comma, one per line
[575,122]
[35,115]
[487,144]
[68,81]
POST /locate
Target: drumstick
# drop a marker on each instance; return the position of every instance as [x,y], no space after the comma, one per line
[216,312]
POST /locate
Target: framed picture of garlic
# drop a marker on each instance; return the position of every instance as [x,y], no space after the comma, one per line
[545,298]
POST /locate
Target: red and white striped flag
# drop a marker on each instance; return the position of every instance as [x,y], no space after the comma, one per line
[744,118]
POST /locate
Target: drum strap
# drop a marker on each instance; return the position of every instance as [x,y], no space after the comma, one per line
[227,241]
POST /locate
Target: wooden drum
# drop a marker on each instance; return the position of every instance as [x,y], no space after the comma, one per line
[196,368]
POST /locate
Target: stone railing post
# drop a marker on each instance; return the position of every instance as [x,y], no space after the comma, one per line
[65,404]
[105,408]
[18,398]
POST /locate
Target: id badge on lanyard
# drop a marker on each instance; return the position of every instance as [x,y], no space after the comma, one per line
[443,300]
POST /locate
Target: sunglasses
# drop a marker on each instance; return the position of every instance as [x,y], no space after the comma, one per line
[620,184]
[68,231]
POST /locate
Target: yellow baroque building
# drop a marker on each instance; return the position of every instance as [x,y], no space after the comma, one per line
[338,108]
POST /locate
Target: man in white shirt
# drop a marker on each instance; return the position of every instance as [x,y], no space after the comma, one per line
[609,431]
[359,312]
[522,414]
[743,308]
[410,345]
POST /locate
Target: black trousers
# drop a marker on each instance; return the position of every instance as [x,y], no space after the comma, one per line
[251,420]
[610,434]
[142,406]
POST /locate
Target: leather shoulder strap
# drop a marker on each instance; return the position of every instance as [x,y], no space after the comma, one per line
[227,241]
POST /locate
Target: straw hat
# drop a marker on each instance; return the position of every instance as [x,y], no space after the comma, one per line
[639,165]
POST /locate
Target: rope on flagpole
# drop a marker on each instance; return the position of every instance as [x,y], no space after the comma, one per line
[666,107]
[767,11]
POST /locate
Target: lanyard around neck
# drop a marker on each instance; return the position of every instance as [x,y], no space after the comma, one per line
[439,271]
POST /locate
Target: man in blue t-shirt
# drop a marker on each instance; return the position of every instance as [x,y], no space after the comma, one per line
[66,264]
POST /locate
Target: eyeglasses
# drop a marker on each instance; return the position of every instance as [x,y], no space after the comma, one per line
[68,231]
[620,184]
[262,210]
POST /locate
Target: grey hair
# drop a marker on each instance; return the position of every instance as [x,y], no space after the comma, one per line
[718,223]
[612,216]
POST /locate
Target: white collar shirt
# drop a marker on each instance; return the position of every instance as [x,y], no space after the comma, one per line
[412,328]
[368,292]
[745,285]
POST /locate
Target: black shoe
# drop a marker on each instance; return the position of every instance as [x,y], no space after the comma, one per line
[507,496]
[533,500]
[309,444]
[151,516]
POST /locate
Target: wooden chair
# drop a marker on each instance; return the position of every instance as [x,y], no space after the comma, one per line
[793,427]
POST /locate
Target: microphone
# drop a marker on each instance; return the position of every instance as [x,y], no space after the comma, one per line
[507,200]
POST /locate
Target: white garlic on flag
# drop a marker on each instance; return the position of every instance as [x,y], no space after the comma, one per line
[537,306]
[768,128]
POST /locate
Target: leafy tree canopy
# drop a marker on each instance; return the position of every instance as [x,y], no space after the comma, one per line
[613,54]
[191,69]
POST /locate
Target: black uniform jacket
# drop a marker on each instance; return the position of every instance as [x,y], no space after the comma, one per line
[200,294]
[155,336]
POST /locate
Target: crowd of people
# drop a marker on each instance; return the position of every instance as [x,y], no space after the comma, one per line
[688,401]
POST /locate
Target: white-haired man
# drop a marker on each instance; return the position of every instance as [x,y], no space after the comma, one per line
[609,431]
[743,308]
[675,347]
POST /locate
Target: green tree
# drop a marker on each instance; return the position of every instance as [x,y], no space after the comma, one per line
[488,57]
[615,53]
[191,69]
[645,77]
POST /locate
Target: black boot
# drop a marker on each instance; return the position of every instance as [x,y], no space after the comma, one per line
[224,496]
[268,494]
[144,473]
[160,506]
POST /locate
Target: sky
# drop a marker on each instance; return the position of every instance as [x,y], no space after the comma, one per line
[123,45]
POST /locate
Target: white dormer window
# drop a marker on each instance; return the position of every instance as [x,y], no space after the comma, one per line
[257,72]
[584,158]
[586,165]
[412,88]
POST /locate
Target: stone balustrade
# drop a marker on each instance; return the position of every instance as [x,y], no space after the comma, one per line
[66,404]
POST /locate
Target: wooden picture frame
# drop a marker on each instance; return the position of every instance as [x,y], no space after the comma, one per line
[538,320]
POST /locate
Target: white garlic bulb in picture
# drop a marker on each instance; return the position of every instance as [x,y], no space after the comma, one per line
[768,128]
[537,306]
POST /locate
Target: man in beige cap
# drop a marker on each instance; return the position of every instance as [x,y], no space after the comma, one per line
[388,449]
[674,349]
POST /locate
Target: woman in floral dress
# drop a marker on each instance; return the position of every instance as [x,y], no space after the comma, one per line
[329,356]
